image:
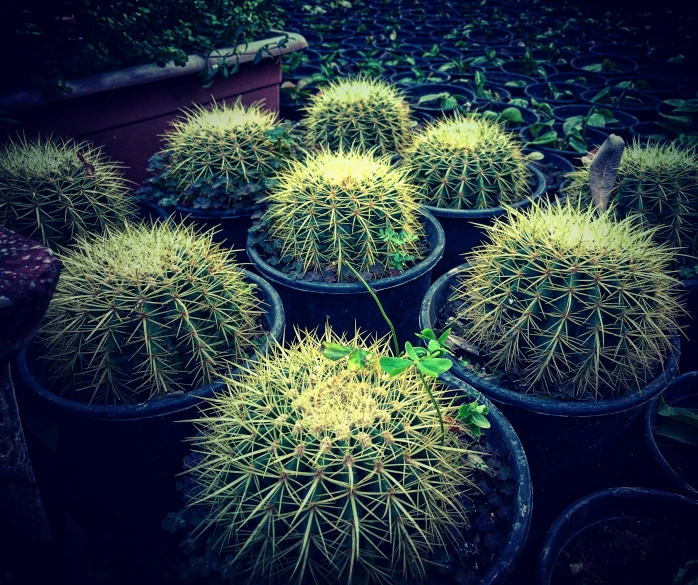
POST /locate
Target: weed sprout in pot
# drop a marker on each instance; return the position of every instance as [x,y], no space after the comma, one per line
[567,317]
[336,212]
[143,324]
[465,170]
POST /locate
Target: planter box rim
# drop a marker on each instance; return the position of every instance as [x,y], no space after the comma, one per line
[148,73]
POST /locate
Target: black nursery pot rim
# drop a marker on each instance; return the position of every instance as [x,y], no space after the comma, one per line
[168,404]
[503,564]
[538,190]
[578,512]
[650,418]
[538,404]
[435,235]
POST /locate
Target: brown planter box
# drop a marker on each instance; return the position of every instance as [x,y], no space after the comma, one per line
[126,111]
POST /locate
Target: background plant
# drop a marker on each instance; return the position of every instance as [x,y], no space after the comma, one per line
[55,191]
[147,311]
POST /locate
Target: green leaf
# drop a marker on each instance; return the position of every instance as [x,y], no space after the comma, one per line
[572,124]
[687,416]
[357,359]
[597,121]
[443,337]
[513,115]
[547,138]
[409,350]
[516,83]
[434,366]
[479,420]
[677,431]
[432,97]
[427,334]
[335,351]
[683,120]
[535,155]
[394,366]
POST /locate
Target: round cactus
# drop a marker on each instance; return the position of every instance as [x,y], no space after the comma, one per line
[569,300]
[359,113]
[220,151]
[308,469]
[146,311]
[346,206]
[658,184]
[54,191]
[468,163]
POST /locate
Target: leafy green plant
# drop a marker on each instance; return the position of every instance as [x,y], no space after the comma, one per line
[481,91]
[303,88]
[679,424]
[147,311]
[359,113]
[474,417]
[85,37]
[461,66]
[419,76]
[617,101]
[445,100]
[571,137]
[467,163]
[54,191]
[531,66]
[606,66]
[488,60]
[678,123]
[509,117]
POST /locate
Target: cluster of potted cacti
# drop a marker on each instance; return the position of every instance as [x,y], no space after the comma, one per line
[388,208]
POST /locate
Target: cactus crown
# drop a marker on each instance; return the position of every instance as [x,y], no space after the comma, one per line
[336,206]
[219,151]
[658,184]
[147,311]
[312,470]
[54,191]
[468,163]
[359,113]
[570,300]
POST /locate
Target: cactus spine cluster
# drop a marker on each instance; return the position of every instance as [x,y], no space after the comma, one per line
[359,113]
[332,207]
[567,299]
[54,191]
[658,184]
[221,146]
[146,311]
[311,470]
[468,163]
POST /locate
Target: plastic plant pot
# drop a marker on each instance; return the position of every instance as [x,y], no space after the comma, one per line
[490,37]
[347,305]
[454,73]
[650,131]
[553,430]
[588,80]
[435,108]
[514,83]
[625,503]
[117,464]
[620,50]
[542,92]
[641,105]
[528,116]
[519,68]
[443,56]
[594,138]
[621,128]
[617,65]
[657,87]
[462,227]
[554,168]
[408,78]
[682,392]
[665,72]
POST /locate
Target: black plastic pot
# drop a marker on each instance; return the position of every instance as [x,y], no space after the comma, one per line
[620,50]
[560,166]
[414,92]
[499,94]
[502,78]
[541,93]
[666,73]
[116,465]
[650,132]
[348,305]
[614,504]
[594,138]
[455,74]
[552,431]
[682,393]
[491,37]
[443,56]
[662,89]
[399,66]
[622,128]
[231,225]
[434,77]
[502,438]
[644,109]
[689,341]
[529,116]
[623,65]
[463,226]
[591,80]
[518,68]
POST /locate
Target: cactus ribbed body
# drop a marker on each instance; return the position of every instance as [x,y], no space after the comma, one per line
[468,163]
[54,191]
[311,470]
[364,114]
[221,145]
[147,311]
[332,207]
[658,184]
[564,298]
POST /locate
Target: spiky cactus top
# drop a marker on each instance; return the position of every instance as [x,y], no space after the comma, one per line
[359,113]
[311,470]
[54,191]
[335,207]
[564,298]
[658,184]
[145,311]
[468,163]
[221,148]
